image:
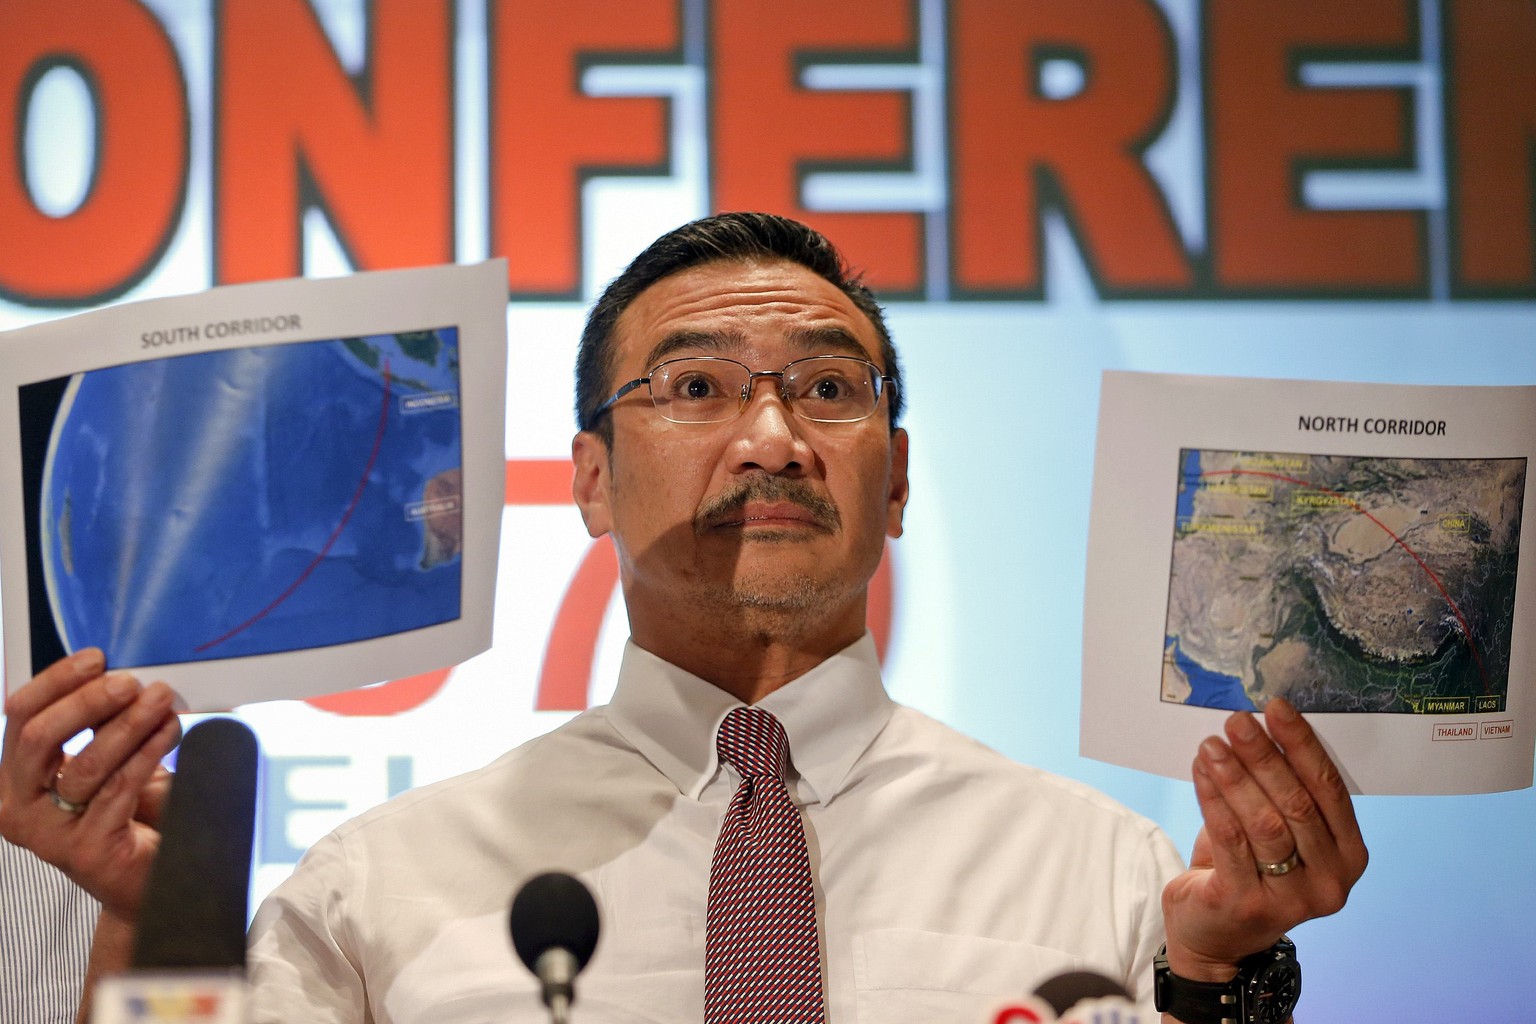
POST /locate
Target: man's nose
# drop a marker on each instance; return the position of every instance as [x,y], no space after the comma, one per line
[768,435]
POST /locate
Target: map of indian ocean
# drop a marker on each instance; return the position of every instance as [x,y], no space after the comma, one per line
[255,500]
[1342,583]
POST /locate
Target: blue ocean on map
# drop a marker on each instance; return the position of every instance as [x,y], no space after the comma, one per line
[1208,689]
[1189,483]
[256,500]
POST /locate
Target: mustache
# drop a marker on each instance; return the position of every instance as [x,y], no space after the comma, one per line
[726,504]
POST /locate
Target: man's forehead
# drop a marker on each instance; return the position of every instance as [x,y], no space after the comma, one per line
[722,307]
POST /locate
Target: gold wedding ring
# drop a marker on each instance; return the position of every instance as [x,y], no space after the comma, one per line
[1282,867]
[64,803]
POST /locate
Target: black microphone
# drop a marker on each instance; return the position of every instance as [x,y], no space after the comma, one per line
[554,930]
[195,904]
[1065,991]
[1084,997]
[189,954]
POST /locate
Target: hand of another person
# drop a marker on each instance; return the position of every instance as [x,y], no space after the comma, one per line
[93,815]
[1280,844]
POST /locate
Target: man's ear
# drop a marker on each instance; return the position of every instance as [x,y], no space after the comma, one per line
[896,499]
[591,486]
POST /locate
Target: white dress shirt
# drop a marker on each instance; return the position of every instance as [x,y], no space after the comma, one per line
[946,875]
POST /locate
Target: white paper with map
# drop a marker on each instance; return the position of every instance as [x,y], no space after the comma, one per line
[261,491]
[1355,548]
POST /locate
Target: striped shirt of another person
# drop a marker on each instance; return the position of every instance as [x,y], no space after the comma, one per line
[46,923]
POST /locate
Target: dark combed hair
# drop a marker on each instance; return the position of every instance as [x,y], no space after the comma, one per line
[726,236]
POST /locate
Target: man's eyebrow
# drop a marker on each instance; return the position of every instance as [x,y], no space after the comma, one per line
[811,340]
[828,340]
[694,341]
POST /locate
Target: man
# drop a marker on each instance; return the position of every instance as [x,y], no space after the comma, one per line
[738,400]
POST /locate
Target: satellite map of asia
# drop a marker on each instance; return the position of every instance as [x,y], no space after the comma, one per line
[248,501]
[1343,583]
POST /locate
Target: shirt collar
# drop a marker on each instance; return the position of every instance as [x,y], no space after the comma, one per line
[831,714]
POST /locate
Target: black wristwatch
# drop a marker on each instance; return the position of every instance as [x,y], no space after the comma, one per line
[1265,990]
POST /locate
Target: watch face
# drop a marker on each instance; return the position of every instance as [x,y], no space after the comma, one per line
[1273,993]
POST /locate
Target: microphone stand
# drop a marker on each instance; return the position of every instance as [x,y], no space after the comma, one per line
[557,968]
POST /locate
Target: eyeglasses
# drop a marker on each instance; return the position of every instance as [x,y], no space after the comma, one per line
[710,389]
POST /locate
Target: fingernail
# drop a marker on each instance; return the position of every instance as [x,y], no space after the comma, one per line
[1214,749]
[1284,709]
[158,693]
[122,686]
[87,663]
[1244,727]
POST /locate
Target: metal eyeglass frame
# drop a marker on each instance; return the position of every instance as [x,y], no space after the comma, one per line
[881,381]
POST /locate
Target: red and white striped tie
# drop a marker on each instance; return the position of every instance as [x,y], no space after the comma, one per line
[762,960]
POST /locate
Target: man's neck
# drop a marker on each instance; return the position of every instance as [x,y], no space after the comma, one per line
[748,655]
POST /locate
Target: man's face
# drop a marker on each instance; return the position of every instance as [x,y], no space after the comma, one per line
[763,511]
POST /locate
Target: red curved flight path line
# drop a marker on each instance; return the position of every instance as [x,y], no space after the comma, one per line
[357,496]
[1466,630]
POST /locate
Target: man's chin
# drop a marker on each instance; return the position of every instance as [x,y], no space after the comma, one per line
[770,590]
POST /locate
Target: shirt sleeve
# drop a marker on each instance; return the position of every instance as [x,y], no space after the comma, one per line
[304,964]
[1160,865]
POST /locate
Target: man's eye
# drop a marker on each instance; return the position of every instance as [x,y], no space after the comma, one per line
[694,386]
[829,390]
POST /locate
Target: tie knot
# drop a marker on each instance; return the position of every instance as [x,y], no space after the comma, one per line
[754,743]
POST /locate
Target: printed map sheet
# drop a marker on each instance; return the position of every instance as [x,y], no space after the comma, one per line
[262,491]
[1364,562]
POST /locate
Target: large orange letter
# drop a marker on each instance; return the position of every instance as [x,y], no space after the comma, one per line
[294,131]
[1017,150]
[1490,86]
[1264,130]
[768,131]
[548,136]
[119,232]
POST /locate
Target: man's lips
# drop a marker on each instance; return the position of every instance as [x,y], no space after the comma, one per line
[781,513]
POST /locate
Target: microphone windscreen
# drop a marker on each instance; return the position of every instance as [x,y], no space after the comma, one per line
[1065,991]
[194,909]
[554,910]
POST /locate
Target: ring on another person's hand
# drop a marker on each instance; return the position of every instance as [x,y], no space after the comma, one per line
[62,802]
[1282,867]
